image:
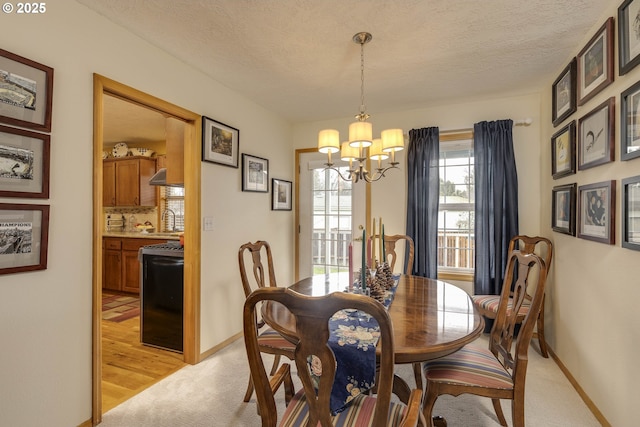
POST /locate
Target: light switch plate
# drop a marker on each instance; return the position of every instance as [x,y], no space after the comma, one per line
[208,223]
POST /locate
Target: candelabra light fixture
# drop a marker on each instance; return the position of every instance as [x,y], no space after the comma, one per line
[361,146]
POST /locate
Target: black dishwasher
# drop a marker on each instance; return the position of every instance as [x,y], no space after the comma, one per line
[162,285]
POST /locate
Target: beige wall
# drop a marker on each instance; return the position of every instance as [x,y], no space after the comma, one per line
[591,316]
[45,362]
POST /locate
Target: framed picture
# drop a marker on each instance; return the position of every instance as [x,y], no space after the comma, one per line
[563,209]
[281,195]
[255,174]
[597,212]
[630,123]
[628,36]
[564,94]
[220,143]
[631,213]
[24,234]
[595,63]
[24,163]
[596,133]
[563,151]
[26,92]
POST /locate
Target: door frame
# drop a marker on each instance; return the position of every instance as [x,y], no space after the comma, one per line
[367,196]
[192,184]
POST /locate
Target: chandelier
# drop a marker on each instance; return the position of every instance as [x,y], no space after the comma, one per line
[361,146]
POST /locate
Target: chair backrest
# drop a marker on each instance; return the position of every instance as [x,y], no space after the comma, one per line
[536,244]
[258,252]
[390,251]
[312,316]
[521,269]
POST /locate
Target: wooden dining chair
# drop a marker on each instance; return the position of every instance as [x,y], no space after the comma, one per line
[488,304]
[390,251]
[311,405]
[498,372]
[269,341]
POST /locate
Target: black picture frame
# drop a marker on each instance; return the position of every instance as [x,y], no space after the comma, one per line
[255,174]
[27,96]
[563,151]
[597,212]
[281,194]
[220,143]
[563,93]
[595,63]
[563,209]
[628,36]
[630,122]
[24,237]
[596,136]
[24,163]
[631,213]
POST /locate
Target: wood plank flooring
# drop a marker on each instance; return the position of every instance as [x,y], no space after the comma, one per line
[128,367]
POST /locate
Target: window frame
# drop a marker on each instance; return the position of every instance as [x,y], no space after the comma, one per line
[449,273]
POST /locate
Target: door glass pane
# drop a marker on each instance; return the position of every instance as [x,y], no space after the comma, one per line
[331,222]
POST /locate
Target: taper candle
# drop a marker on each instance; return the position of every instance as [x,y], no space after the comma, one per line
[380,244]
[373,244]
[350,264]
[363,276]
[384,248]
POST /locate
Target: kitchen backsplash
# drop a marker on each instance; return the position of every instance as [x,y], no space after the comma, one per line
[141,216]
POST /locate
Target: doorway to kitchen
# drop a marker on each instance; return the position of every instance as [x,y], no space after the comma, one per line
[190,162]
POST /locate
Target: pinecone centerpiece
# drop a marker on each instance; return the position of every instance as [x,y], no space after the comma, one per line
[384,276]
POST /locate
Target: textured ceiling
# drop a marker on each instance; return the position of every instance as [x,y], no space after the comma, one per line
[297,57]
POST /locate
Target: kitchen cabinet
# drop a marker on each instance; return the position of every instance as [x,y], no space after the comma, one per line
[126,182]
[121,268]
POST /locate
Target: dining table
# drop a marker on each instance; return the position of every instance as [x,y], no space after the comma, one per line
[431,318]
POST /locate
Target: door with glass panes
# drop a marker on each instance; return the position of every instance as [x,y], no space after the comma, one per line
[332,214]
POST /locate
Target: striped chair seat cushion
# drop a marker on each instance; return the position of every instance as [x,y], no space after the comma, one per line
[271,338]
[490,303]
[358,413]
[471,365]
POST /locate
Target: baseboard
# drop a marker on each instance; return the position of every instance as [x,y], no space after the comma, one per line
[219,347]
[592,407]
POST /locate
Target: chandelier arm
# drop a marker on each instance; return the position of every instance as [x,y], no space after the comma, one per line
[349,177]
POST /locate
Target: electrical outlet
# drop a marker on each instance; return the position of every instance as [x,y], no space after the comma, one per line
[208,223]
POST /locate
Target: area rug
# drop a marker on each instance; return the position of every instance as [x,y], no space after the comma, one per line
[117,308]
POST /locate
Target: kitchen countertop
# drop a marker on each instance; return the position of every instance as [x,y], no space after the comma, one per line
[140,235]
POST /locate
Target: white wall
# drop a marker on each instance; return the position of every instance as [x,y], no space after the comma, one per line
[592,323]
[389,194]
[45,316]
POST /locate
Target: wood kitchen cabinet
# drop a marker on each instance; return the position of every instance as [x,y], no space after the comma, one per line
[121,268]
[126,182]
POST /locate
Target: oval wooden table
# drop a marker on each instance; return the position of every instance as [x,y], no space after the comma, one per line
[430,318]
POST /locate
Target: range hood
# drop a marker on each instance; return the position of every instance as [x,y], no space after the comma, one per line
[160,178]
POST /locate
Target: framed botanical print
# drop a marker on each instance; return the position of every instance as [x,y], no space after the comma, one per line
[26,92]
[255,174]
[563,209]
[220,143]
[24,163]
[563,151]
[563,93]
[24,236]
[630,123]
[628,36]
[595,63]
[631,213]
[597,212]
[596,135]
[281,195]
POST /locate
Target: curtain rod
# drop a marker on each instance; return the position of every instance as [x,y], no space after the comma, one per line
[523,122]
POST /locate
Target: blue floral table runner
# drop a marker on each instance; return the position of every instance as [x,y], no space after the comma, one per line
[353,339]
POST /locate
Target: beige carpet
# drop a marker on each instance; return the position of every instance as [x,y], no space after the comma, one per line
[210,394]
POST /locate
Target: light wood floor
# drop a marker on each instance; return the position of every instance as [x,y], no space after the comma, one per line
[128,367]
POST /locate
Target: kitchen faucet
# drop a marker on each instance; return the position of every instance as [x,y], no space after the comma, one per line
[164,212]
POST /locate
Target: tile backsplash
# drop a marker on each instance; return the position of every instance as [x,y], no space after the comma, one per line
[141,215]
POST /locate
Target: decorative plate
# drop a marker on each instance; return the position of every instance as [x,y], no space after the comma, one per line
[120,149]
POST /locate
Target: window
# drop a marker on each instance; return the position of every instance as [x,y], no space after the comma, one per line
[172,200]
[456,240]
